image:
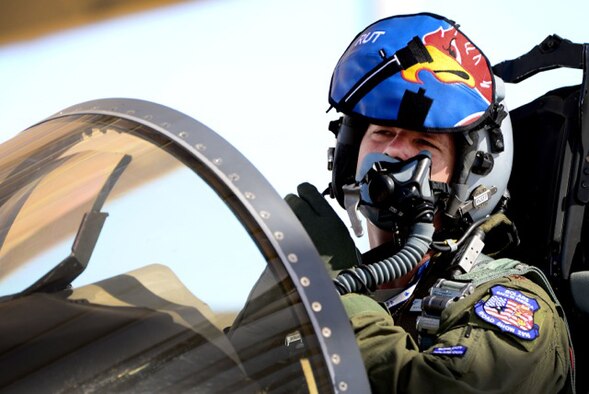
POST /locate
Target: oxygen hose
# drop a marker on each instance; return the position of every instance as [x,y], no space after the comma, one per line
[368,277]
[388,192]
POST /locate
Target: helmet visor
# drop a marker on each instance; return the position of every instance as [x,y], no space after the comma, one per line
[414,71]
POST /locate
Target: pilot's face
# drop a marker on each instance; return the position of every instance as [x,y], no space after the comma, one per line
[403,144]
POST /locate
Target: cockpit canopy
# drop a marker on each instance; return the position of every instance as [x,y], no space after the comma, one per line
[140,251]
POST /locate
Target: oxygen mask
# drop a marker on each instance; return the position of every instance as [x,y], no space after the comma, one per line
[396,196]
[391,193]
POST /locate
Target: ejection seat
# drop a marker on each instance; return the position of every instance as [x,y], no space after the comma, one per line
[549,185]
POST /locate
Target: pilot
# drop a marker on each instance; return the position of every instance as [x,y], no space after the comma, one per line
[433,306]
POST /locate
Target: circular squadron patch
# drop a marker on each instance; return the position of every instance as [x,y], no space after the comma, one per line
[511,311]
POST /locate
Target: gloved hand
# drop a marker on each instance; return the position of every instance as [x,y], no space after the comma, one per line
[329,234]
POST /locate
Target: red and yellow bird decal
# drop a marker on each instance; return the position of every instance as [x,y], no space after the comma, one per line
[455,60]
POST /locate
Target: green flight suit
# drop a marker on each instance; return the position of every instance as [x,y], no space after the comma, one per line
[489,359]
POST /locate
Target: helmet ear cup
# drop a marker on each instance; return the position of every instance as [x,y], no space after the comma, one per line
[482,170]
[500,171]
[345,156]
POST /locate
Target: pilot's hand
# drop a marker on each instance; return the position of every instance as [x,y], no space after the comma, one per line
[329,234]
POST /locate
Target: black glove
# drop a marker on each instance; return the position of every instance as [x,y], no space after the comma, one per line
[329,234]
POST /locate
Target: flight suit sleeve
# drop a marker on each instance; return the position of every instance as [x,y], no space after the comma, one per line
[470,354]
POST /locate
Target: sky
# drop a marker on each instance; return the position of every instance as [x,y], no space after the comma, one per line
[255,71]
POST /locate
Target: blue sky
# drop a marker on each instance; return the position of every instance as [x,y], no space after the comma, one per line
[255,71]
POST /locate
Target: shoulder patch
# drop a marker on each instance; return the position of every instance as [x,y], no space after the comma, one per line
[511,311]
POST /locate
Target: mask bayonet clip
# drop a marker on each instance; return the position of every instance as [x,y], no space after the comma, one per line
[351,202]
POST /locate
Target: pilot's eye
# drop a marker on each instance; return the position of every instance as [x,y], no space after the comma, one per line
[427,143]
[380,135]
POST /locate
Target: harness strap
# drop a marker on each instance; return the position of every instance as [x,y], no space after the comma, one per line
[443,293]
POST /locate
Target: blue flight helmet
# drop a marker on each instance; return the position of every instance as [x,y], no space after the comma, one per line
[421,73]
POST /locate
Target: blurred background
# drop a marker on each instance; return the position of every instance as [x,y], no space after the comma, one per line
[255,71]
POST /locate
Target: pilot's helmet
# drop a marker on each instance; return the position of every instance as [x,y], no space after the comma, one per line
[420,72]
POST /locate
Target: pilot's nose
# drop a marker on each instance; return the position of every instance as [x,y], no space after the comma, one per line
[399,147]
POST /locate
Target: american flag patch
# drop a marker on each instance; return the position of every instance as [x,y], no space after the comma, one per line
[511,311]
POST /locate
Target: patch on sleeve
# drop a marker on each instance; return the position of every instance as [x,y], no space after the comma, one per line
[511,311]
[450,351]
